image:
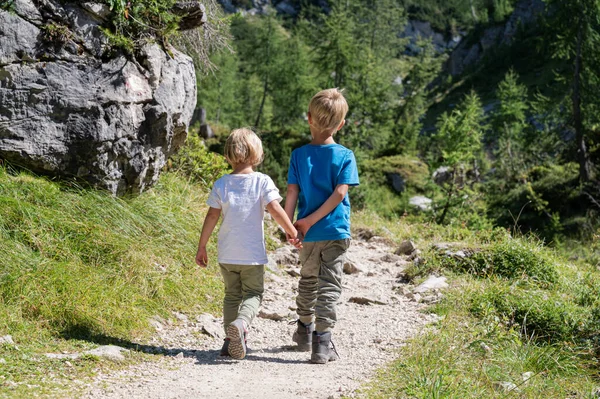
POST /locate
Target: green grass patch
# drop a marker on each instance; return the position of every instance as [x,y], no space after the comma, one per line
[80,267]
[514,307]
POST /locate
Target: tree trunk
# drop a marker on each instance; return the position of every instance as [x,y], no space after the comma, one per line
[449,198]
[266,83]
[582,154]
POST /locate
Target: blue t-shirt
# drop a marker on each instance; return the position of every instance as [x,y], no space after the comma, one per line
[317,170]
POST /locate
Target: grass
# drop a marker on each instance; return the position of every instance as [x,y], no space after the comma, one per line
[80,267]
[515,307]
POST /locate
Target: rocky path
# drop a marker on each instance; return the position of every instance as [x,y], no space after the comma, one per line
[374,320]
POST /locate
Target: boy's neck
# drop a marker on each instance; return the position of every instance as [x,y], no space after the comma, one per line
[321,138]
[242,169]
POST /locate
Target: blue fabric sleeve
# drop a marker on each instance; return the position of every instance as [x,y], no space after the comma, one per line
[292,173]
[349,172]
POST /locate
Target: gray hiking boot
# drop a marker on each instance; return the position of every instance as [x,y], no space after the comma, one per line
[236,332]
[303,336]
[323,350]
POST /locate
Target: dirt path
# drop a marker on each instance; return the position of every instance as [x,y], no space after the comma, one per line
[366,337]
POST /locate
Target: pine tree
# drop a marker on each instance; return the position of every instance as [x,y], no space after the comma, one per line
[459,145]
[575,27]
[509,123]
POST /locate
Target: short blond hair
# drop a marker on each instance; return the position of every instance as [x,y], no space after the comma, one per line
[243,146]
[328,109]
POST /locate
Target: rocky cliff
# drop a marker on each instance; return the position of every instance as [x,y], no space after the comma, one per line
[67,108]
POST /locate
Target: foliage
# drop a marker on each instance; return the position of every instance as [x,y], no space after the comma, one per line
[575,30]
[144,19]
[56,34]
[458,146]
[512,259]
[196,162]
[545,199]
[493,328]
[547,316]
[7,5]
[213,38]
[452,15]
[378,177]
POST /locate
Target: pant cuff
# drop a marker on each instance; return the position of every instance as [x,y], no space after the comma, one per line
[307,319]
[321,328]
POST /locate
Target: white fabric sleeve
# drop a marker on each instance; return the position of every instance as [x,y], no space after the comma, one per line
[214,199]
[270,192]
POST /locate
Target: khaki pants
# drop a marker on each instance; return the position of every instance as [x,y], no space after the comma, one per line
[320,283]
[244,287]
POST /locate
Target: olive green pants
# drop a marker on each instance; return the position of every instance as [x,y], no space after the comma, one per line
[244,287]
[320,283]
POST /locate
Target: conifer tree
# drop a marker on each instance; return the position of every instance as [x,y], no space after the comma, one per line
[459,145]
[575,27]
[509,124]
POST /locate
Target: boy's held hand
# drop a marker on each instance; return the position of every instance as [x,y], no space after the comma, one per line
[296,242]
[302,225]
[202,257]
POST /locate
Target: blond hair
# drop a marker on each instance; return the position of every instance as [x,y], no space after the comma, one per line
[328,109]
[243,147]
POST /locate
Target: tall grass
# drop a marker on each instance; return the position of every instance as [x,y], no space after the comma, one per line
[79,263]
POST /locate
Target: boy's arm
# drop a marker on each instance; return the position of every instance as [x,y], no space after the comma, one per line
[328,206]
[291,198]
[284,221]
[210,221]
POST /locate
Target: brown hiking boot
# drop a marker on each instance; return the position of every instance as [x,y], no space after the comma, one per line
[323,350]
[303,335]
[225,348]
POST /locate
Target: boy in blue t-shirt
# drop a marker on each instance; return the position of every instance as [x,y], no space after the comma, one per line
[318,179]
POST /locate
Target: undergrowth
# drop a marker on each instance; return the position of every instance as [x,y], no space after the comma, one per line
[517,312]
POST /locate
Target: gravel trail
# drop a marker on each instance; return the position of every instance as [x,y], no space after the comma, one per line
[366,337]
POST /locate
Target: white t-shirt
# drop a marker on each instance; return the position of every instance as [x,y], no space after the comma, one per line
[242,199]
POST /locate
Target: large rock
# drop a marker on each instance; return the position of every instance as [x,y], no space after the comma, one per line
[469,52]
[66,109]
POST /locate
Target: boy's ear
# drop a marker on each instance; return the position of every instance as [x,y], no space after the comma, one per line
[342,123]
[309,118]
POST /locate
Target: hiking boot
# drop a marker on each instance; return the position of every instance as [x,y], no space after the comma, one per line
[225,348]
[303,336]
[323,350]
[237,332]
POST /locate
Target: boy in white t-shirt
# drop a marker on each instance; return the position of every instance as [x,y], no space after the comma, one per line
[242,197]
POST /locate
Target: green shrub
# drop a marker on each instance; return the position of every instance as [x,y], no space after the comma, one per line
[512,259]
[376,191]
[195,161]
[547,316]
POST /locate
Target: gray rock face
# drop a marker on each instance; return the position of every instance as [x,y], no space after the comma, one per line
[468,53]
[67,111]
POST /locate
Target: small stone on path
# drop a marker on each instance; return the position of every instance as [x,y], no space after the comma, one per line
[210,326]
[432,283]
[275,316]
[390,258]
[111,352]
[365,301]
[406,248]
[351,268]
